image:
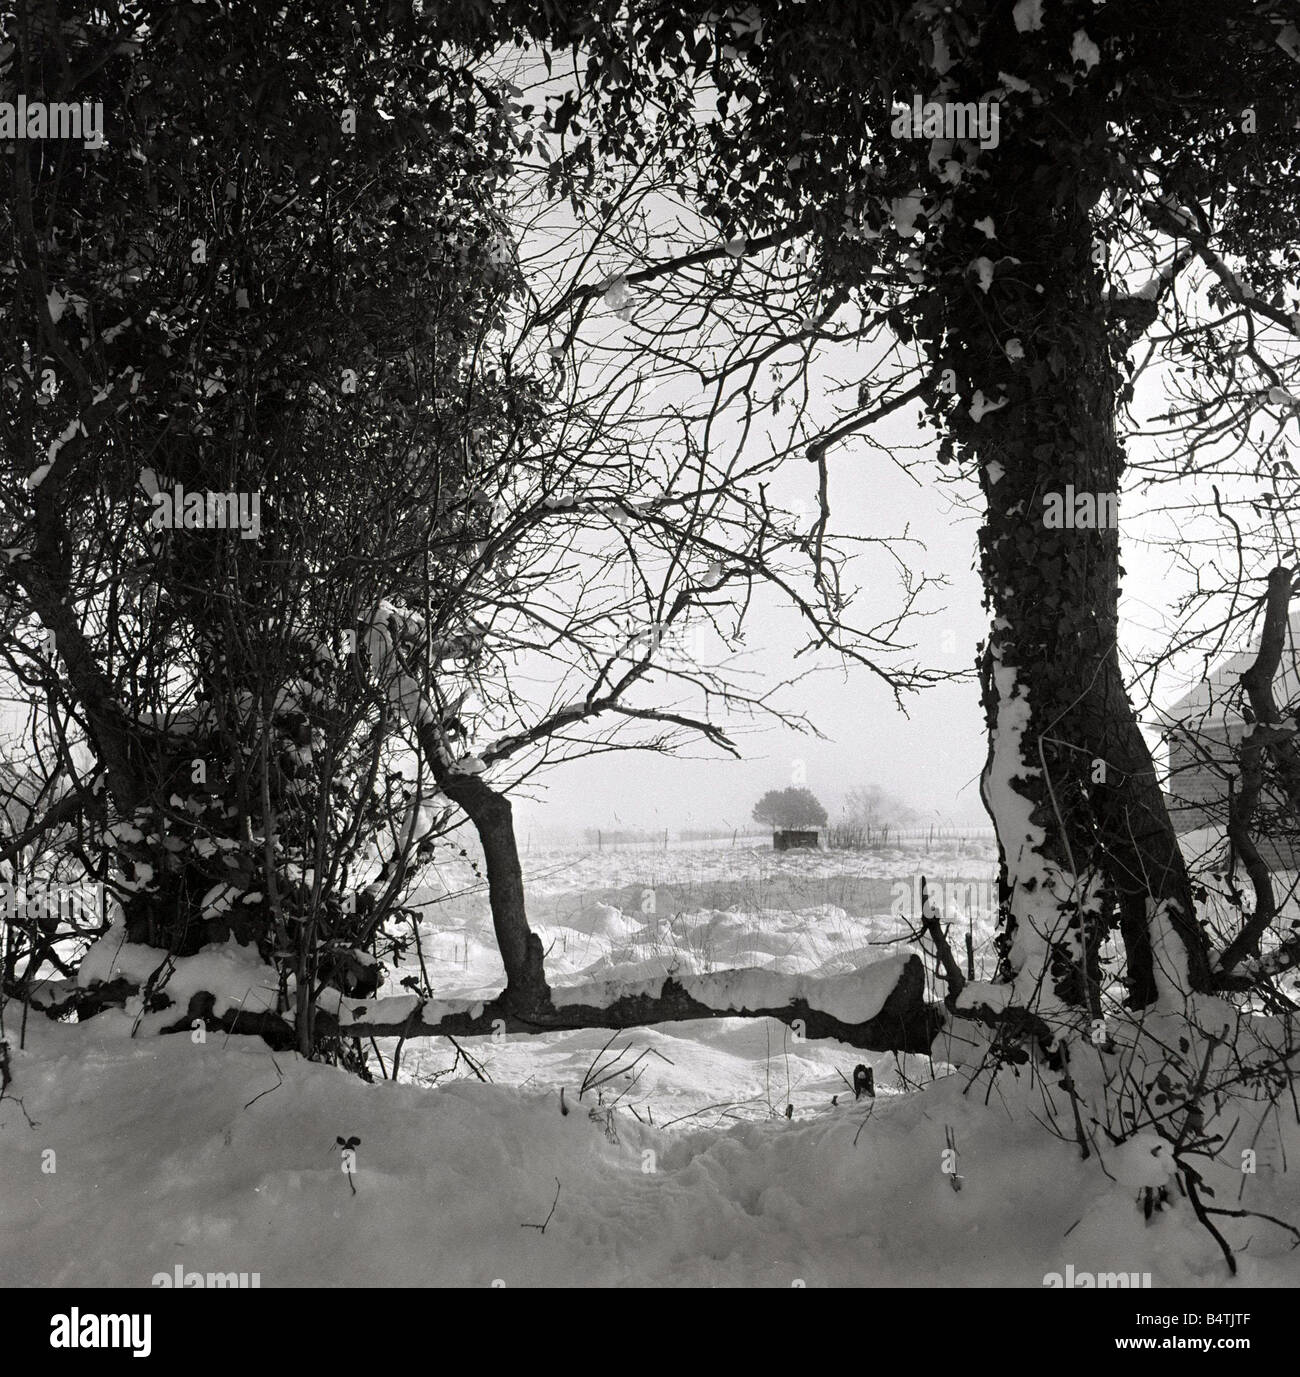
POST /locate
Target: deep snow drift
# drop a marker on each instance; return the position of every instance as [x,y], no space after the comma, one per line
[122,1157]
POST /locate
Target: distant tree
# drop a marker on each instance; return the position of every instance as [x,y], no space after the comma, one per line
[871,805]
[789,808]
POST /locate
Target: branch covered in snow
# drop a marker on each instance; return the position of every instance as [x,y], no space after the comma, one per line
[880,1008]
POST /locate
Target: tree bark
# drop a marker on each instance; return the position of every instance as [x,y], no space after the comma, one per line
[1266,733]
[1084,836]
[526,989]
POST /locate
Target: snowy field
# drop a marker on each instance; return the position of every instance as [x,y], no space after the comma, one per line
[631,912]
[125,1158]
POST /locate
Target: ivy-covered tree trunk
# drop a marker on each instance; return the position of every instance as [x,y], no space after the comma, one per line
[1085,840]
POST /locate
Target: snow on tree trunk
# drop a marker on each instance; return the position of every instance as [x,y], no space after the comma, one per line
[1085,840]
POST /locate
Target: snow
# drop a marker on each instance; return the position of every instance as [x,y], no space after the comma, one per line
[617,293]
[236,976]
[1144,1160]
[219,1155]
[1028,15]
[421,818]
[853,997]
[906,210]
[1083,49]
[52,452]
[396,1008]
[1170,968]
[983,270]
[981,405]
[1037,885]
[977,993]
[468,765]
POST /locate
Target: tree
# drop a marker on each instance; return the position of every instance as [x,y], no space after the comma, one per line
[272,264]
[346,352]
[1019,315]
[789,808]
[1002,202]
[871,805]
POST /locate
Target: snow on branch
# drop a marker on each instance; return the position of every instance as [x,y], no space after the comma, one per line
[880,1007]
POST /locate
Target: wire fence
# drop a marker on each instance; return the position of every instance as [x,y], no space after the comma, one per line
[840,837]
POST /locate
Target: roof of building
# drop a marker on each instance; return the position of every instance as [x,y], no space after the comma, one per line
[1220,694]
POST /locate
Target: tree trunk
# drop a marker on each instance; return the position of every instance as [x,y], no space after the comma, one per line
[521,949]
[493,818]
[1084,838]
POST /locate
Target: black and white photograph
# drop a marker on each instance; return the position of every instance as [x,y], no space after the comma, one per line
[650,646]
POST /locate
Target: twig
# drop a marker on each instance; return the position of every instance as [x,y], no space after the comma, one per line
[541,1228]
[469,1061]
[269,1089]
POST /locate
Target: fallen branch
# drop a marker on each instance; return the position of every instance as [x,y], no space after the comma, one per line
[902,1022]
[880,1008]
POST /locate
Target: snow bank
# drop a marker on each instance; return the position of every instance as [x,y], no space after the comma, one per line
[222,1157]
[236,976]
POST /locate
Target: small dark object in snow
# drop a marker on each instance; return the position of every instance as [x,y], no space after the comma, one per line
[564,1108]
[1152,1199]
[835,1099]
[789,1111]
[864,1083]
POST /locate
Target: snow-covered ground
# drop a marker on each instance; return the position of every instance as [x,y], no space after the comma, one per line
[122,1158]
[628,913]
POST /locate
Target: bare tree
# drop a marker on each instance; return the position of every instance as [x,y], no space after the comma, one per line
[309,484]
